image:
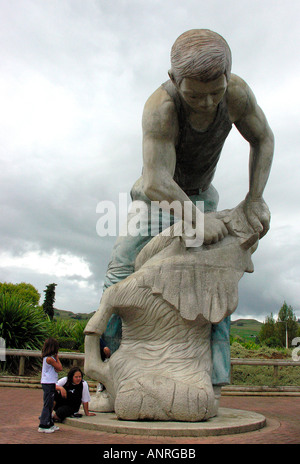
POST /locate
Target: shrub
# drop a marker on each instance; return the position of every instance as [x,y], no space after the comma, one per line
[67,343]
[63,330]
[251,345]
[248,344]
[78,334]
[272,342]
[24,291]
[22,326]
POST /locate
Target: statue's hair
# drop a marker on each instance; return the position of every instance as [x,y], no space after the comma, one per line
[200,54]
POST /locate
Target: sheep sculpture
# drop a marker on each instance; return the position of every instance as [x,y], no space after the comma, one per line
[162,369]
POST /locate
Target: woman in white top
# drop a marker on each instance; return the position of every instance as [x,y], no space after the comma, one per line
[71,392]
[50,369]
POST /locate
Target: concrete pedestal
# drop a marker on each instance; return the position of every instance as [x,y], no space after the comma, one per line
[228,421]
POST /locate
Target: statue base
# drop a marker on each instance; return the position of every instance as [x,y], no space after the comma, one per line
[228,421]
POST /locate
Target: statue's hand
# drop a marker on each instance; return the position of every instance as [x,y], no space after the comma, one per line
[257,214]
[214,229]
[206,232]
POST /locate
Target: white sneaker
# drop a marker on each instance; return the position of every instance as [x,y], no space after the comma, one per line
[55,427]
[49,430]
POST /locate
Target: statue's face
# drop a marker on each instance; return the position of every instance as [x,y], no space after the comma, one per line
[203,97]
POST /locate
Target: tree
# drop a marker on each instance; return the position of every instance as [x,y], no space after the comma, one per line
[49,300]
[287,327]
[268,332]
[281,332]
[25,292]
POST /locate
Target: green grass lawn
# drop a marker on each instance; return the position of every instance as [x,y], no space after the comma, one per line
[248,329]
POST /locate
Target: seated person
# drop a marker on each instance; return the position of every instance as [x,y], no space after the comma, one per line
[71,391]
[104,350]
[105,354]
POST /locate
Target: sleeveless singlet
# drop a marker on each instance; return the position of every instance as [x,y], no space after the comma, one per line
[74,394]
[49,375]
[197,152]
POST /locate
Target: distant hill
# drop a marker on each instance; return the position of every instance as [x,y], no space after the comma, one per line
[63,314]
[245,328]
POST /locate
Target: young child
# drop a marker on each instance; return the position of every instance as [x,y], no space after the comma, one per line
[50,369]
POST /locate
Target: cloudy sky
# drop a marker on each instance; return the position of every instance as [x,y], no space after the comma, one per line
[74,77]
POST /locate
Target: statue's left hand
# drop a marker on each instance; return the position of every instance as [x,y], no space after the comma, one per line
[257,214]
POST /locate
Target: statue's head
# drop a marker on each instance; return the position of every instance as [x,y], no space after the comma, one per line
[200,54]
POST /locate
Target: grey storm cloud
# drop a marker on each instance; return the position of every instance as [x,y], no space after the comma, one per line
[74,79]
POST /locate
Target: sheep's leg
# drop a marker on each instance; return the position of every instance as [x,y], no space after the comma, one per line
[98,322]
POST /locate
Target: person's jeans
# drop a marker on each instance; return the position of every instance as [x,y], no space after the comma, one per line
[63,408]
[46,416]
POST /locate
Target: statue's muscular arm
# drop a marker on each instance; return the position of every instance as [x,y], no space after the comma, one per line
[251,122]
[160,131]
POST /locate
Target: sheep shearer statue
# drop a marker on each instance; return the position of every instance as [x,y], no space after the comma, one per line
[165,310]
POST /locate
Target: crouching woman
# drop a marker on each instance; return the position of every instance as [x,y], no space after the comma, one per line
[71,392]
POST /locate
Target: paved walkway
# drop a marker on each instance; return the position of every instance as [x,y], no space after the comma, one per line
[20,408]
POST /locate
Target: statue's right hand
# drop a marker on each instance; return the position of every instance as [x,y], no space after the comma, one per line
[214,229]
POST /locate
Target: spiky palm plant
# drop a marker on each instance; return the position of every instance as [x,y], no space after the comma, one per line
[22,324]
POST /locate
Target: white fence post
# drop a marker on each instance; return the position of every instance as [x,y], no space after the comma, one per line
[2,349]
